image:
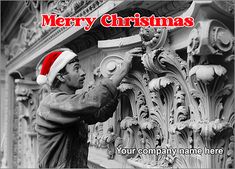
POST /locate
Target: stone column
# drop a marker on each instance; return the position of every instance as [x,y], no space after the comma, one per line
[25,140]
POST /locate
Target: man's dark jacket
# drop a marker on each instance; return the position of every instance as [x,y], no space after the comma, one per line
[62,124]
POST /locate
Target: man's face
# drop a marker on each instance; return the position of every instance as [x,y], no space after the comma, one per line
[75,77]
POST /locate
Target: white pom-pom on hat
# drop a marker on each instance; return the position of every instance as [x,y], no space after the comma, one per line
[41,79]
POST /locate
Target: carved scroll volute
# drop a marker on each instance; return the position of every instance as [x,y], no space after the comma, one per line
[110,64]
[26,94]
[210,37]
[153,37]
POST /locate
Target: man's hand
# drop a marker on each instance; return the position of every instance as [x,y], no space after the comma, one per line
[126,65]
[135,52]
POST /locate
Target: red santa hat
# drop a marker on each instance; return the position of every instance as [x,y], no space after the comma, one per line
[52,64]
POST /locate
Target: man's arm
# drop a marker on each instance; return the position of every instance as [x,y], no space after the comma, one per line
[64,108]
[103,114]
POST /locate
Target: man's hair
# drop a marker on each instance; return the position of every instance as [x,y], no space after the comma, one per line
[56,82]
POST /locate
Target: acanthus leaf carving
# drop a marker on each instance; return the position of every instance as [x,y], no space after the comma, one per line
[128,122]
[185,101]
[156,84]
[123,87]
[27,103]
[207,73]
[206,129]
[144,128]
[210,90]
[200,93]
[165,61]
[26,94]
[230,153]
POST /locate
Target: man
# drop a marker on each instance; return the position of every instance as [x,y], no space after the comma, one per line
[63,116]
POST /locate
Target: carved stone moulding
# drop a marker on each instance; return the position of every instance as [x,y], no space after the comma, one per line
[119,42]
[31,32]
[26,95]
[210,37]
[201,10]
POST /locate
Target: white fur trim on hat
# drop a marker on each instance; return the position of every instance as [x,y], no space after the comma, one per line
[59,64]
[41,79]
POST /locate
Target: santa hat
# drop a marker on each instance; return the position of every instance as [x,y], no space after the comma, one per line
[52,64]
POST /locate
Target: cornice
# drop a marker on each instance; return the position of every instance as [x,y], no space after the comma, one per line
[119,42]
[59,36]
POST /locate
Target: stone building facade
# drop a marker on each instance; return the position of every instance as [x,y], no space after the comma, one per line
[178,96]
